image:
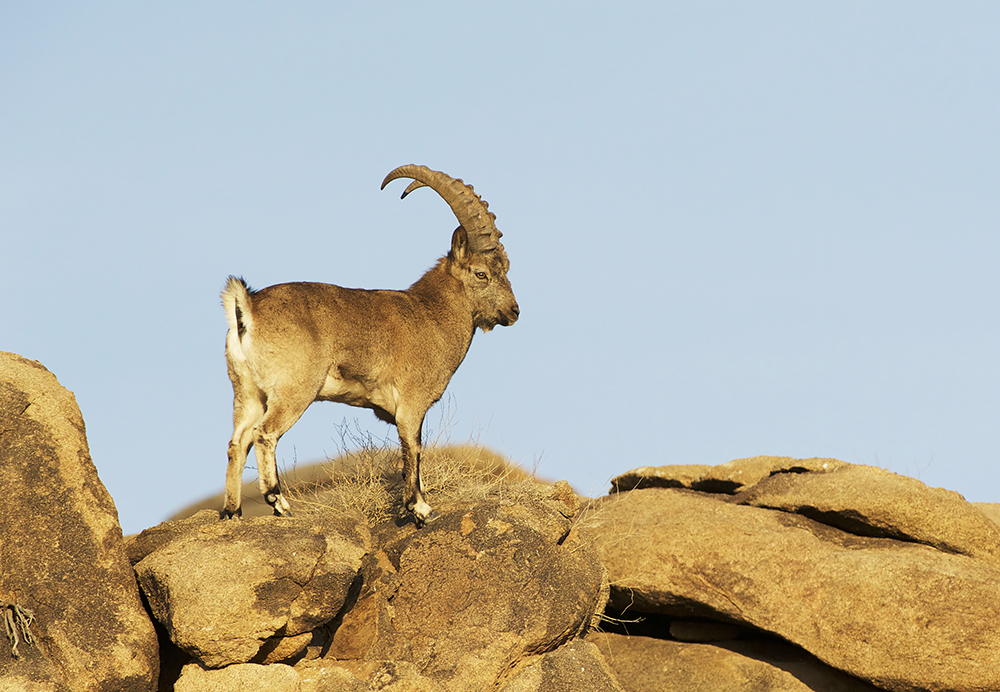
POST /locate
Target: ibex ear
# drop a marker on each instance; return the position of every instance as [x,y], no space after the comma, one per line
[460,246]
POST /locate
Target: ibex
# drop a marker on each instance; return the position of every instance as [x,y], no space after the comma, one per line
[393,352]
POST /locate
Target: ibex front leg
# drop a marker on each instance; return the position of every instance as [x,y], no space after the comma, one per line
[409,440]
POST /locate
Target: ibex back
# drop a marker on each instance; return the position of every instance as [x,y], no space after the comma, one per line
[391,351]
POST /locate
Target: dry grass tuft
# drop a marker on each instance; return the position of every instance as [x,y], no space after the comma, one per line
[369,479]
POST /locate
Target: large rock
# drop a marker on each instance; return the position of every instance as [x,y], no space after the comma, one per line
[645,663]
[244,677]
[869,501]
[901,615]
[250,590]
[140,546]
[325,675]
[61,551]
[474,592]
[727,478]
[577,665]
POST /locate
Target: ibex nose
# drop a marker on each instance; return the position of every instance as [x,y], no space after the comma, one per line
[508,316]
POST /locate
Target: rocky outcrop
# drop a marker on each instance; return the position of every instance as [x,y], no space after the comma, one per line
[897,588]
[61,552]
[253,590]
[760,574]
[456,605]
[869,501]
[473,593]
[766,573]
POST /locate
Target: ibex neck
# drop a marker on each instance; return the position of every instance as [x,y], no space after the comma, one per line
[443,296]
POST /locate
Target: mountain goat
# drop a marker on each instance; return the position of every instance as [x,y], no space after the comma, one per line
[394,352]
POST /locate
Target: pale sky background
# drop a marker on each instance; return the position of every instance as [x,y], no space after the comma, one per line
[735,228]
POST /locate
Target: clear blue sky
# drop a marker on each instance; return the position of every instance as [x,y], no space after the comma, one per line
[735,228]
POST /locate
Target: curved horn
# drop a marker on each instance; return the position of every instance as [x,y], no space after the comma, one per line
[415,185]
[470,210]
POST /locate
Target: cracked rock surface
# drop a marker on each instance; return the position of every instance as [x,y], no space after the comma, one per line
[470,595]
[61,551]
[899,614]
[234,591]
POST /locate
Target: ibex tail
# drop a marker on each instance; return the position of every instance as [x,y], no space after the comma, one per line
[236,302]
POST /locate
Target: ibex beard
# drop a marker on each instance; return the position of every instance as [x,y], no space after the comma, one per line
[390,351]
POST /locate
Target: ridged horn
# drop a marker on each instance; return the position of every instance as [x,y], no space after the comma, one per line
[470,210]
[415,185]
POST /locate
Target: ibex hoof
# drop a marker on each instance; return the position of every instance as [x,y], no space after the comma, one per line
[420,521]
[227,514]
[279,504]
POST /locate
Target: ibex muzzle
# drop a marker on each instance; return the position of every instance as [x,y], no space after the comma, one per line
[390,351]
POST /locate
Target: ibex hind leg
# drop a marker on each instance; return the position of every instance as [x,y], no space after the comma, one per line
[267,470]
[233,506]
[278,419]
[248,412]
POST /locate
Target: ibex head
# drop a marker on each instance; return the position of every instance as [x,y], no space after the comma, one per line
[477,257]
